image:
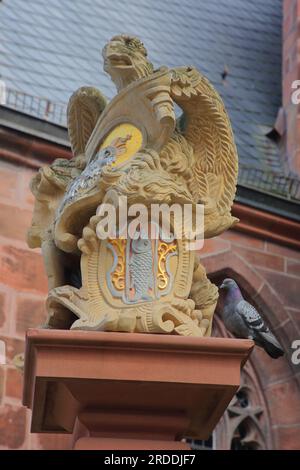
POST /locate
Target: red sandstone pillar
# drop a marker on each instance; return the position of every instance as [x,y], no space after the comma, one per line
[129,391]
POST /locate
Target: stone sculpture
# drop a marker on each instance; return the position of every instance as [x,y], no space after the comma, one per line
[133,147]
[243,320]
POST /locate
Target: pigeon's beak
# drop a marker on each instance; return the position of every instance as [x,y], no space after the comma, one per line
[222,286]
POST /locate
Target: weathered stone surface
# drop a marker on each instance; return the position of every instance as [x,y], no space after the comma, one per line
[131,147]
[14,221]
[269,304]
[287,438]
[54,441]
[284,411]
[13,346]
[2,383]
[214,246]
[270,371]
[9,181]
[293,267]
[282,250]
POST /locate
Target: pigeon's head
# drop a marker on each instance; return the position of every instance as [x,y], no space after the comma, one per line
[229,285]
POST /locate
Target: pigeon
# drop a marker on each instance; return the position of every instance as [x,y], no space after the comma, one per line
[244,321]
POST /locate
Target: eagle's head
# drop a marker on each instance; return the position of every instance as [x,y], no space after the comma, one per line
[125,60]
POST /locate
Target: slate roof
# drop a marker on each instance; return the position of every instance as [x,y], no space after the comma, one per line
[50,48]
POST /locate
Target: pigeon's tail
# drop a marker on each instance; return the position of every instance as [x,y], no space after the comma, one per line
[270,344]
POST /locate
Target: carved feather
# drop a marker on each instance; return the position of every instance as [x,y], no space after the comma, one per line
[84,109]
[207,128]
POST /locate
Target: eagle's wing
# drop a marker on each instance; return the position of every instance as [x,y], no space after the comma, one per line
[207,128]
[84,109]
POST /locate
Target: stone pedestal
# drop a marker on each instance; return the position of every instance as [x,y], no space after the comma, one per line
[129,391]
